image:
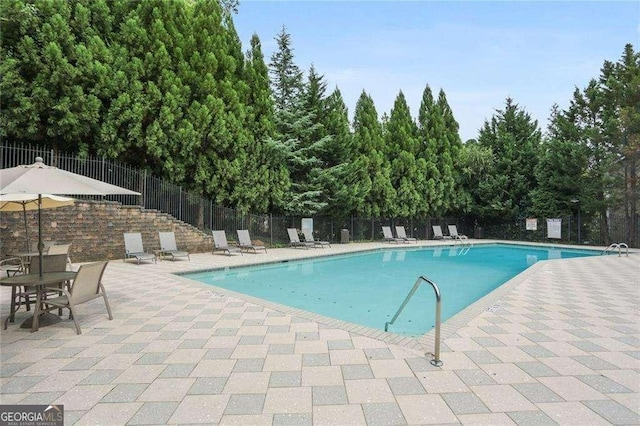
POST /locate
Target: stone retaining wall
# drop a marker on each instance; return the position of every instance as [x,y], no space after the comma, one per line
[95,228]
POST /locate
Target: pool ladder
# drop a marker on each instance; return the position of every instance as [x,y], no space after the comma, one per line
[436,355]
[618,246]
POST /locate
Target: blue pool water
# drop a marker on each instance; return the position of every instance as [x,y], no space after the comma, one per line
[367,288]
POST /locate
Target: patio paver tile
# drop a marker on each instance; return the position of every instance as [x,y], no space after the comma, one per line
[368,391]
[288,400]
[571,413]
[345,415]
[199,409]
[571,389]
[167,390]
[153,413]
[106,413]
[425,409]
[501,398]
[256,382]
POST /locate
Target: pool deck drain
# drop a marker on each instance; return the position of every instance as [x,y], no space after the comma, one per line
[558,344]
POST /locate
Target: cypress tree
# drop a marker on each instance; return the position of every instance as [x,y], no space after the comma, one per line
[370,156]
[272,176]
[55,67]
[430,131]
[344,180]
[448,153]
[407,172]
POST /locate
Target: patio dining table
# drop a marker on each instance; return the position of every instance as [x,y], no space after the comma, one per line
[38,282]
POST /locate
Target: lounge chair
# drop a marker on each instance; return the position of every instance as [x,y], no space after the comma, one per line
[294,240]
[244,241]
[388,236]
[453,232]
[133,248]
[86,286]
[308,237]
[437,233]
[168,246]
[220,243]
[400,232]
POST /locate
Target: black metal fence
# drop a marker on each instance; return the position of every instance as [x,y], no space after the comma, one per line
[200,212]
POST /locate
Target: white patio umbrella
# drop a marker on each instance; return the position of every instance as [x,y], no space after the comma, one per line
[39,178]
[24,202]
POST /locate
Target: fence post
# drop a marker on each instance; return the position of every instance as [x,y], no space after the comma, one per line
[352,234]
[143,187]
[271,228]
[180,202]
[373,230]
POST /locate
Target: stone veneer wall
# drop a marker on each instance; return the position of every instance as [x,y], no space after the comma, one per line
[95,228]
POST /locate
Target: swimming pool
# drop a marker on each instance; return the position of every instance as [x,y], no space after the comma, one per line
[367,288]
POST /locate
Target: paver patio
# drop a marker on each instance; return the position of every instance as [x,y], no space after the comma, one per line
[559,344]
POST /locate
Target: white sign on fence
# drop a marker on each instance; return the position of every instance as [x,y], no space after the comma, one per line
[532,224]
[306,223]
[554,228]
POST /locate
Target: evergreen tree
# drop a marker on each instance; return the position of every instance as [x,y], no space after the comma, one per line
[448,152]
[560,172]
[344,181]
[430,130]
[297,129]
[515,140]
[475,163]
[272,175]
[286,76]
[369,155]
[620,84]
[55,66]
[143,117]
[407,172]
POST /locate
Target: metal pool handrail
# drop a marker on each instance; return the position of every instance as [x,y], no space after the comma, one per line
[436,356]
[618,246]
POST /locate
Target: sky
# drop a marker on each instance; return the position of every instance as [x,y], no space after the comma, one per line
[478,52]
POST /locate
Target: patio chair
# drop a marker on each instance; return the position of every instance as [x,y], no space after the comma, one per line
[62,249]
[387,236]
[50,263]
[220,243]
[133,248]
[245,243]
[168,246]
[12,266]
[308,236]
[294,239]
[453,232]
[86,286]
[401,233]
[437,233]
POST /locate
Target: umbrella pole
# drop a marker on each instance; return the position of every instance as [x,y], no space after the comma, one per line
[40,245]
[26,228]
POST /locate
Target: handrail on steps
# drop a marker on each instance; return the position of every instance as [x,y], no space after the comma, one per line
[618,246]
[436,355]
